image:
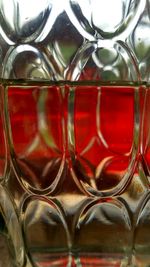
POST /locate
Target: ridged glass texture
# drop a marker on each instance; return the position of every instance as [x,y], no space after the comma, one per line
[75,133]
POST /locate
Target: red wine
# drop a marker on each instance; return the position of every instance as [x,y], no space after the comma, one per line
[90,125]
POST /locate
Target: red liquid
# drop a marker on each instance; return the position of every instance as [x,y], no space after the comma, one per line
[100,121]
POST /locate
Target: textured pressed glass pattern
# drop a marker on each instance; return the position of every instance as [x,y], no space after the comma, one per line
[75,133]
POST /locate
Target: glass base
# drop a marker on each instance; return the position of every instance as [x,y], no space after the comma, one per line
[89,260]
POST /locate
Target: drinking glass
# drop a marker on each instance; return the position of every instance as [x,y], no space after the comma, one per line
[74,133]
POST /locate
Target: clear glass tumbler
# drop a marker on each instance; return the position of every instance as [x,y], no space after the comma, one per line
[74,133]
